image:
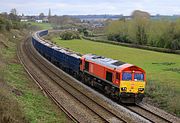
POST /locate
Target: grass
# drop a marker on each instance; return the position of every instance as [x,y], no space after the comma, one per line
[36,107]
[20,98]
[162,69]
[42,25]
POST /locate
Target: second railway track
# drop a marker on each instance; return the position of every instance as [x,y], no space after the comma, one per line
[151,116]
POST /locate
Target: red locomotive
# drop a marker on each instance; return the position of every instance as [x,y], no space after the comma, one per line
[120,80]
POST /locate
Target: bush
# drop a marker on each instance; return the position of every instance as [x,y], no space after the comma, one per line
[16,25]
[158,49]
[69,35]
[119,38]
[175,44]
[5,24]
[11,22]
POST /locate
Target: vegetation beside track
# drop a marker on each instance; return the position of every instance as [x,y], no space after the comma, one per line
[163,69]
[20,98]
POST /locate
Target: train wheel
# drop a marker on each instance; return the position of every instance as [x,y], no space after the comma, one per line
[107,90]
[92,83]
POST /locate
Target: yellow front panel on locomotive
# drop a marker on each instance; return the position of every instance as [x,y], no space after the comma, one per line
[132,86]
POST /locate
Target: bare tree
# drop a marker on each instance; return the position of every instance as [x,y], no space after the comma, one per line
[141,20]
[13,15]
[14,11]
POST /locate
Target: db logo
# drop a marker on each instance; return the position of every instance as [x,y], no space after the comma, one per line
[132,86]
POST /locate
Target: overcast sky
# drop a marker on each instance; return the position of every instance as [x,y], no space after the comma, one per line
[81,7]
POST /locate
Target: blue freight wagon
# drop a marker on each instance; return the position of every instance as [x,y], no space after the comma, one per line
[59,56]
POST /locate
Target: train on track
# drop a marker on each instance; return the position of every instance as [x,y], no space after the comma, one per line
[119,80]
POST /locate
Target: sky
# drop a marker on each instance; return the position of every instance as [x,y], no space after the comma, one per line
[84,7]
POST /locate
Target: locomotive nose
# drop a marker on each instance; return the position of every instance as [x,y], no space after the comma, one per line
[132,86]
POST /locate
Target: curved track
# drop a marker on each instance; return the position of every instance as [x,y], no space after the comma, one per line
[40,85]
[99,111]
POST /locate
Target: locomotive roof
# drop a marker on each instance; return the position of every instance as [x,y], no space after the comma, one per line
[104,61]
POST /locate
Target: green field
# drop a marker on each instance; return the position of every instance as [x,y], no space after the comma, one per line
[162,69]
[42,25]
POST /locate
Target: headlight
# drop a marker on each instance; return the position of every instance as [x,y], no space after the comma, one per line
[140,89]
[123,89]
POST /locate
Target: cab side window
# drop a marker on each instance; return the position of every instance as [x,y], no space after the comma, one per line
[86,65]
[117,76]
[109,76]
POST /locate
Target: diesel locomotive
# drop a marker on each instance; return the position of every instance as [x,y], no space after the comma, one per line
[121,81]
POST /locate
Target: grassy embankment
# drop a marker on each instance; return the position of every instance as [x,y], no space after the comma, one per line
[20,98]
[163,70]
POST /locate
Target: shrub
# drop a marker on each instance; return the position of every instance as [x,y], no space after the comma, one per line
[68,35]
[5,24]
[158,49]
[175,44]
[119,38]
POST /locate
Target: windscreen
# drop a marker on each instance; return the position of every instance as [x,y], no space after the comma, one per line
[127,76]
[139,77]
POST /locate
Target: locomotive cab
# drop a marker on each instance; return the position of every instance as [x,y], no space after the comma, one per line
[132,84]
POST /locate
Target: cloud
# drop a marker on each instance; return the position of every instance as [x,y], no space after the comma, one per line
[61,7]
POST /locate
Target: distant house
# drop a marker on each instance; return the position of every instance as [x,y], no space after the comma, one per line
[24,20]
[39,21]
[45,20]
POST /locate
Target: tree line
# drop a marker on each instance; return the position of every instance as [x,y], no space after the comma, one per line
[142,30]
[63,22]
[11,21]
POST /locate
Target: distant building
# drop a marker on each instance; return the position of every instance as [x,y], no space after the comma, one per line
[24,20]
[39,21]
[45,20]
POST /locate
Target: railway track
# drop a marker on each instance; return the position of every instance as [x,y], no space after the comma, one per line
[101,112]
[159,113]
[104,113]
[45,90]
[151,116]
